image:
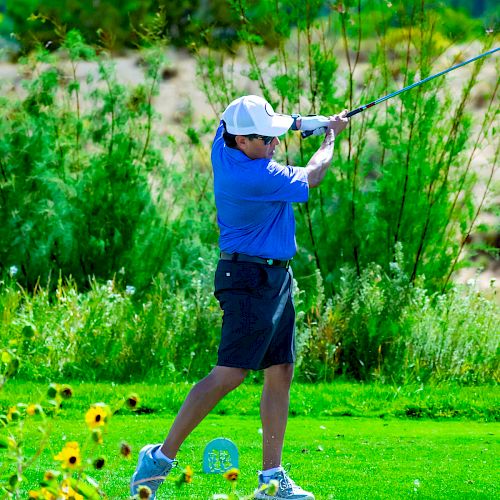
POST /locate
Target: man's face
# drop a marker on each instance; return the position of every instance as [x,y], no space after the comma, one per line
[256,148]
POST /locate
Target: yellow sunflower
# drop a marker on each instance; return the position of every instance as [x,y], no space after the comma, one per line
[43,494]
[97,416]
[31,410]
[232,474]
[13,414]
[66,391]
[69,456]
[185,477]
[188,474]
[144,492]
[131,401]
[125,450]
[34,409]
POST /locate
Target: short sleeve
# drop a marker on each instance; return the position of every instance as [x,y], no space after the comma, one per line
[277,182]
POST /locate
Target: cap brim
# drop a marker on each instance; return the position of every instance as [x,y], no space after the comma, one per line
[279,125]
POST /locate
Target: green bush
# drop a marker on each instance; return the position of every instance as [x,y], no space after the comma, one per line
[86,193]
[215,23]
[111,19]
[452,336]
[105,334]
[402,171]
[380,327]
[117,24]
[458,26]
[85,189]
[375,327]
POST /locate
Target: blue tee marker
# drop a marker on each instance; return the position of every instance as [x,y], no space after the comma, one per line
[219,456]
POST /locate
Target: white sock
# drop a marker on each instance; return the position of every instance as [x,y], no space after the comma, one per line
[159,455]
[269,473]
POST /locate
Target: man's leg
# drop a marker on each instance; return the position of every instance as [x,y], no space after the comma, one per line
[274,415]
[152,469]
[274,412]
[199,402]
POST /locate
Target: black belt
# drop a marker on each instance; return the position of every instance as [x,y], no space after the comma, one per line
[241,257]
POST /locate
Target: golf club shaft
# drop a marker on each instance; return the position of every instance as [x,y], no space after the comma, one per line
[393,94]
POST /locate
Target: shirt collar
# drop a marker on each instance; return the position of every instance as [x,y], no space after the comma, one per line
[236,154]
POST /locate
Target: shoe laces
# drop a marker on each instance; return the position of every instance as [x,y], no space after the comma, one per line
[287,480]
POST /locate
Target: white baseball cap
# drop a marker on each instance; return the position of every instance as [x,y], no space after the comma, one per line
[252,114]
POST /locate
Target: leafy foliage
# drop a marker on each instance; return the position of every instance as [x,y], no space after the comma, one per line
[379,326]
[401,167]
[392,217]
[110,19]
[78,162]
[117,23]
[376,326]
[86,191]
[105,334]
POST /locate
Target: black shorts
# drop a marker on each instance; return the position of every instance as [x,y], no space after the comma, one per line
[258,326]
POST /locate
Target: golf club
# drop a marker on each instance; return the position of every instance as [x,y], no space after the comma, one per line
[307,133]
[416,84]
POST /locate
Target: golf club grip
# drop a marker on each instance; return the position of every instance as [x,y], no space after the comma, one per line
[354,112]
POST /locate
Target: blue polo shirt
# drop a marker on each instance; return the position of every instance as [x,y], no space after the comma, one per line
[254,202]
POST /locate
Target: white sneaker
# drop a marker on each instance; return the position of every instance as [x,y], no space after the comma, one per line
[150,472]
[287,488]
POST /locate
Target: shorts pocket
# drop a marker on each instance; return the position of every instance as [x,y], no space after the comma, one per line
[239,276]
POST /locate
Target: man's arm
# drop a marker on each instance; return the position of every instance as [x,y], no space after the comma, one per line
[320,161]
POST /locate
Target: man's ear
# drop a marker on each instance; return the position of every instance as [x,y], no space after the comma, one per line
[241,141]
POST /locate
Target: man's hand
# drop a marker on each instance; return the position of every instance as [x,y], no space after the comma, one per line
[313,125]
[318,125]
[337,123]
[320,161]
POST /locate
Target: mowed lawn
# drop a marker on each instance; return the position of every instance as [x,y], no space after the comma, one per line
[335,457]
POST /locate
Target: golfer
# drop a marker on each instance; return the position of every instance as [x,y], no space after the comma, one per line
[253,280]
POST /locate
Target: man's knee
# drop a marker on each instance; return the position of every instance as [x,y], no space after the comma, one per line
[228,378]
[281,375]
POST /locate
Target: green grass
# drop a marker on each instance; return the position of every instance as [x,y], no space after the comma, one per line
[315,400]
[343,439]
[351,458]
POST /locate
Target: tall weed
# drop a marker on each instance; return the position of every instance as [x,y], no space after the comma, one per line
[86,190]
[379,326]
[376,327]
[452,336]
[105,333]
[401,167]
